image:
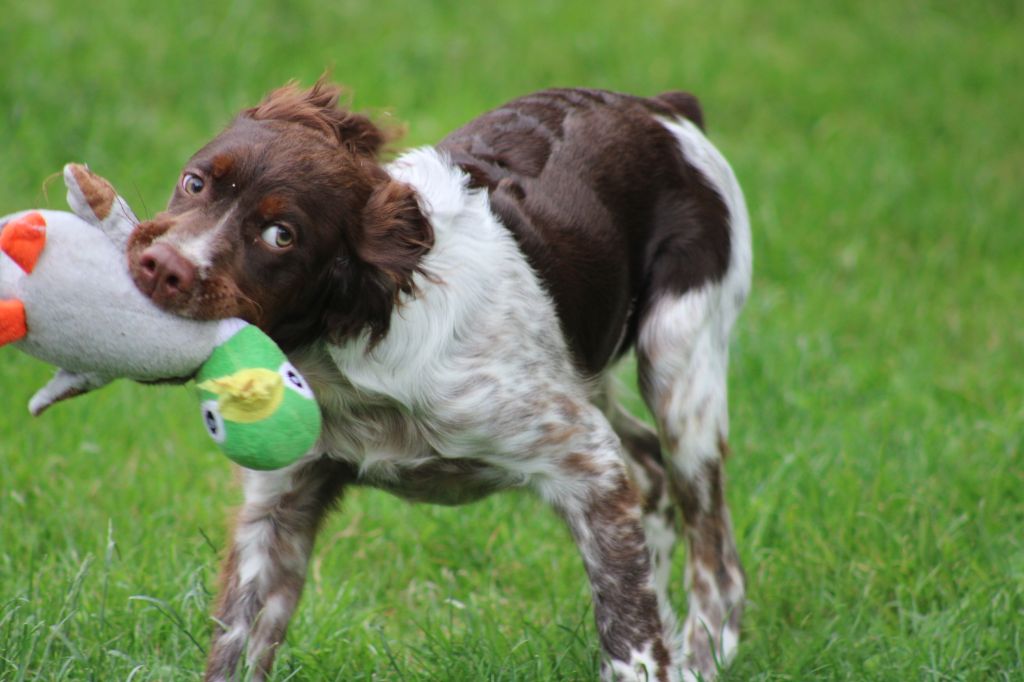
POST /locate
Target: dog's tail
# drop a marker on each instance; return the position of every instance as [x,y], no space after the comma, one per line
[682,103]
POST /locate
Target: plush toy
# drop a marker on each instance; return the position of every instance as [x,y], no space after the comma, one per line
[256,405]
[66,297]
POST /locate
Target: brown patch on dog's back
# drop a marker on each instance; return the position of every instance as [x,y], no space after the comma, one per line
[602,203]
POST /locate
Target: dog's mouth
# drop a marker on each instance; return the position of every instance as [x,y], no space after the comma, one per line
[177,285]
[205,298]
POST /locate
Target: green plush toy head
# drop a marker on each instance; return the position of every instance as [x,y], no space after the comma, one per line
[255,404]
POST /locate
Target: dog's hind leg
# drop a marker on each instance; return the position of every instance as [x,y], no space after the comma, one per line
[647,469]
[582,475]
[682,367]
[265,570]
[682,361]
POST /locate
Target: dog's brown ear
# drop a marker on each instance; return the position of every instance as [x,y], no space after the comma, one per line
[395,237]
[389,246]
[318,108]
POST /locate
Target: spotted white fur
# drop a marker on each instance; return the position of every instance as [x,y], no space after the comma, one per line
[641,667]
[661,540]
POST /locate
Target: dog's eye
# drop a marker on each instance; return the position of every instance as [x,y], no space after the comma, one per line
[192,183]
[277,236]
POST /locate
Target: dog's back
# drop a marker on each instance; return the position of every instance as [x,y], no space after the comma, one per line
[596,191]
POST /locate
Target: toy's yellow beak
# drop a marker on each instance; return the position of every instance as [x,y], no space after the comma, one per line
[248,395]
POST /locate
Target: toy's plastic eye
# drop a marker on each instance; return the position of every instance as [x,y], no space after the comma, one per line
[192,183]
[213,421]
[278,236]
[295,381]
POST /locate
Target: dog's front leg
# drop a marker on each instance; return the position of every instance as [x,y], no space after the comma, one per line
[593,493]
[265,569]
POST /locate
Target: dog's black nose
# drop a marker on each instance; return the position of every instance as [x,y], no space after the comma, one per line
[165,275]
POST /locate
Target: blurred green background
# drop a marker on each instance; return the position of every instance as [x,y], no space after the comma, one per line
[877,475]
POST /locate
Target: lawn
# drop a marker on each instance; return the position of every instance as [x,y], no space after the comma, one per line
[877,476]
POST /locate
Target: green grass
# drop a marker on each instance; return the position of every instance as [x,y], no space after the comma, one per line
[877,476]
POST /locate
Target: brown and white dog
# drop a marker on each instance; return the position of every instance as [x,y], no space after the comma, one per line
[457,312]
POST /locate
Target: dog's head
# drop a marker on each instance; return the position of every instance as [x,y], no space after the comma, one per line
[287,220]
